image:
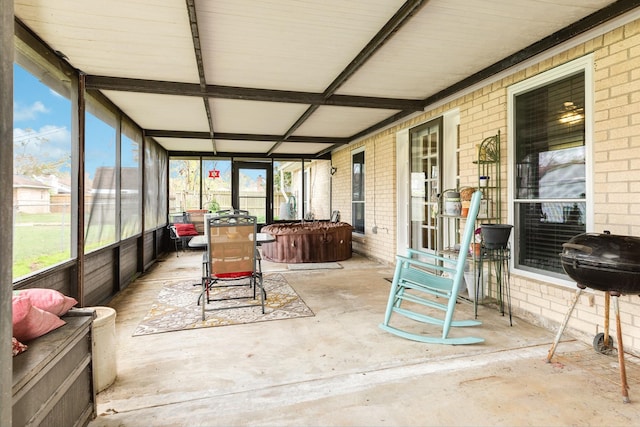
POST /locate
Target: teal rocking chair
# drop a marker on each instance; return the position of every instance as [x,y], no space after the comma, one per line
[421,276]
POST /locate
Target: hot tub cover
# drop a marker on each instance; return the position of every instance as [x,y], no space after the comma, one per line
[318,241]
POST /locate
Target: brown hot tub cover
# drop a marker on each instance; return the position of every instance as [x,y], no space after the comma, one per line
[320,241]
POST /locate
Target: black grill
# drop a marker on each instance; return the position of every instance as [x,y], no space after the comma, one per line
[605,262]
[608,263]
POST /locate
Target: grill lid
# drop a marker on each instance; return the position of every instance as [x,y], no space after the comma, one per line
[607,251]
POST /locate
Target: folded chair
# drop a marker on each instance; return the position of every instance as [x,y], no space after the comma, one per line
[231,263]
[422,278]
[179,236]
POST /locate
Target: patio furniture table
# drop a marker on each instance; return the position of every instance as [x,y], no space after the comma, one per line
[201,240]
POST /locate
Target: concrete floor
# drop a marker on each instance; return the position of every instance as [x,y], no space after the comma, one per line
[339,369]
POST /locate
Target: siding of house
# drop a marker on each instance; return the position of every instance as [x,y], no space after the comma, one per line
[483,111]
[31,200]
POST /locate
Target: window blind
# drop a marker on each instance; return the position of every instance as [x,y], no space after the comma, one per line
[550,187]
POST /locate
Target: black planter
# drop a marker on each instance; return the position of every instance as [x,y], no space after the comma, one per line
[495,236]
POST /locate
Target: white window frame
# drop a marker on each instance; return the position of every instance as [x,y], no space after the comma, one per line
[584,64]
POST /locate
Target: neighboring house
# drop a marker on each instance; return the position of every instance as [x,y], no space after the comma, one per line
[30,195]
[103,194]
[60,189]
[56,184]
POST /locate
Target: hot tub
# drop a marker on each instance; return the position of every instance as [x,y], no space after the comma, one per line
[320,241]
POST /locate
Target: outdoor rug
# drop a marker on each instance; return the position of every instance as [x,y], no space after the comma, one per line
[176,308]
[314,266]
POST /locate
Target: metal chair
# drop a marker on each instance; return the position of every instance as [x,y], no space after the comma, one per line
[231,264]
[196,217]
[421,276]
[174,235]
[177,241]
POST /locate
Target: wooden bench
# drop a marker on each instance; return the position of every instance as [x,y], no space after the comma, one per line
[52,380]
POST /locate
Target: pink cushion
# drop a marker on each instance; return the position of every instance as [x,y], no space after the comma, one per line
[18,347]
[30,322]
[186,230]
[48,300]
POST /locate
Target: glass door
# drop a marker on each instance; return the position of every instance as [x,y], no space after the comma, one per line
[425,152]
[252,184]
[216,184]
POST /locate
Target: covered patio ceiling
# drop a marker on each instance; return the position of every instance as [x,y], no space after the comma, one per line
[294,78]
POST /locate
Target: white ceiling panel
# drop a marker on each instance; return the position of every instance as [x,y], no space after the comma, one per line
[452,39]
[166,112]
[148,39]
[283,44]
[300,147]
[341,122]
[183,144]
[238,116]
[225,146]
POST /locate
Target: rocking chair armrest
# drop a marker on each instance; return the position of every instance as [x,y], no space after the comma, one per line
[412,261]
[432,256]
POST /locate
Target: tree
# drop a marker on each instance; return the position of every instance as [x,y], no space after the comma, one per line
[28,156]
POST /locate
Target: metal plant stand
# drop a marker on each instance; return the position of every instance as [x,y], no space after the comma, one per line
[498,258]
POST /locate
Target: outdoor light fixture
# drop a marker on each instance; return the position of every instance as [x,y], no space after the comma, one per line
[333,170]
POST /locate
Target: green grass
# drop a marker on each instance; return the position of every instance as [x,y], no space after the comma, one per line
[38,246]
[43,218]
[43,240]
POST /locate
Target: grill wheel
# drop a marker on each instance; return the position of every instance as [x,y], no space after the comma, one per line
[600,346]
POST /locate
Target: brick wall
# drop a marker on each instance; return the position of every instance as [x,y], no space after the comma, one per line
[616,173]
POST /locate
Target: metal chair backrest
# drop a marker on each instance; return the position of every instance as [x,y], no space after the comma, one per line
[196,217]
[231,245]
[178,218]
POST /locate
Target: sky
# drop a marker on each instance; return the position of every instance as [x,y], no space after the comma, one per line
[42,126]
[45,113]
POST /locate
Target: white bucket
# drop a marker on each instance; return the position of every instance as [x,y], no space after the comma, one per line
[470,277]
[285,211]
[104,348]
